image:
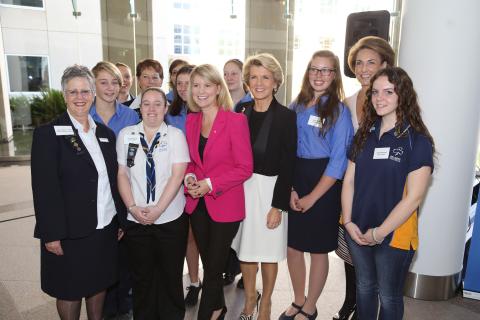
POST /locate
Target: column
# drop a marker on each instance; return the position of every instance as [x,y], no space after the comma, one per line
[440,49]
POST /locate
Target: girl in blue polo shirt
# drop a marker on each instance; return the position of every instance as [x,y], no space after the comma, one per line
[324,130]
[391,161]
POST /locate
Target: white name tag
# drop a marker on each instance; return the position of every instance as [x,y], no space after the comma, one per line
[63,130]
[315,121]
[381,153]
[131,138]
[103,139]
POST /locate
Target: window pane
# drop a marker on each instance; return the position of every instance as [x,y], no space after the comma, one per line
[27,74]
[177,49]
[186,50]
[26,3]
[186,40]
[186,29]
[177,28]
[177,39]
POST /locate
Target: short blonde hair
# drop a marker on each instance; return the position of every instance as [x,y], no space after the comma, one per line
[210,74]
[109,68]
[267,61]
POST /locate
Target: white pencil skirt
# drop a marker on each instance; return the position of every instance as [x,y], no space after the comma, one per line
[255,242]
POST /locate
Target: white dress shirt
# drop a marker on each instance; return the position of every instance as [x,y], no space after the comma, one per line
[172,148]
[105,206]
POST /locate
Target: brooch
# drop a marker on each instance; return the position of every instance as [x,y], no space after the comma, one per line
[75,145]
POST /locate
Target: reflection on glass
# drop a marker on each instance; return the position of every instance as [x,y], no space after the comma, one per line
[27,73]
[24,3]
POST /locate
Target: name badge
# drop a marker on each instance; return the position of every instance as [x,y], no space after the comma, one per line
[162,146]
[381,153]
[131,138]
[315,121]
[63,130]
[103,139]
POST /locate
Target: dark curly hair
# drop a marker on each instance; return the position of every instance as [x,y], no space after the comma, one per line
[408,110]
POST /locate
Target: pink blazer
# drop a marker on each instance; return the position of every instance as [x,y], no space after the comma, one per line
[227,161]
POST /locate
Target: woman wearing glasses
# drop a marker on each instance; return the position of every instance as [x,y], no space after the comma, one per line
[75,195]
[324,132]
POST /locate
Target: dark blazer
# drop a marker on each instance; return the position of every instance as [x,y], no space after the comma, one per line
[275,148]
[64,181]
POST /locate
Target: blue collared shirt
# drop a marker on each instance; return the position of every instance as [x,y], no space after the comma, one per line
[334,145]
[123,117]
[246,98]
[179,120]
[169,96]
[381,170]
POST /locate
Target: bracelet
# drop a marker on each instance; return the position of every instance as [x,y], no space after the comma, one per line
[131,207]
[345,223]
[374,236]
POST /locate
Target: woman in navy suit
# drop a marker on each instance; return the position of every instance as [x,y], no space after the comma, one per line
[74,182]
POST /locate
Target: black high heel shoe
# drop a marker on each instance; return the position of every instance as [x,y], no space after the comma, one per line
[244,316]
[345,313]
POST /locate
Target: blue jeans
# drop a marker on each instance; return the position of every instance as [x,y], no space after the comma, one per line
[380,272]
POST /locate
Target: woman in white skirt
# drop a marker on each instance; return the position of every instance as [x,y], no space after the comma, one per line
[262,237]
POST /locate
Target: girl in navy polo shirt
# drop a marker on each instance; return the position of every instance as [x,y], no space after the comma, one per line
[391,161]
[324,130]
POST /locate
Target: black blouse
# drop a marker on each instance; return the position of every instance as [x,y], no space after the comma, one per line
[273,135]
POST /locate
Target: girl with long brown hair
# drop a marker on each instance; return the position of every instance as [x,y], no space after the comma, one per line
[324,131]
[391,161]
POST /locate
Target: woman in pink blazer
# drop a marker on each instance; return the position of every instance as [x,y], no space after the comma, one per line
[221,160]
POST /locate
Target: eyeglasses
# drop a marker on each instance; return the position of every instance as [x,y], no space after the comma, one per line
[75,93]
[323,71]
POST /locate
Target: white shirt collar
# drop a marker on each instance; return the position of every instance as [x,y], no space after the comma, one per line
[162,129]
[79,126]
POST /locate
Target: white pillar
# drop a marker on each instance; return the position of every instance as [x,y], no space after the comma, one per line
[440,50]
[6,132]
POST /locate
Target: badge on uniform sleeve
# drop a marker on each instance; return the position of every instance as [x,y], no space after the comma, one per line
[381,153]
[63,130]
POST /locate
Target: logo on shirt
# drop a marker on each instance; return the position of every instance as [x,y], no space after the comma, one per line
[396,154]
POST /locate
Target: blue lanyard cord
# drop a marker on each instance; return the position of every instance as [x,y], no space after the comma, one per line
[150,164]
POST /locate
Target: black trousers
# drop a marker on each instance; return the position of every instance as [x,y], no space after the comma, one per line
[156,254]
[118,300]
[214,240]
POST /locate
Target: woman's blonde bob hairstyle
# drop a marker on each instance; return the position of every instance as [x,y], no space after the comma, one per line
[210,74]
[267,61]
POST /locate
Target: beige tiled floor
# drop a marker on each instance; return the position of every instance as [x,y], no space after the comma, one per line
[22,299]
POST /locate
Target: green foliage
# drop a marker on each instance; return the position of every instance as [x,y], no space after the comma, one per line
[18,101]
[46,107]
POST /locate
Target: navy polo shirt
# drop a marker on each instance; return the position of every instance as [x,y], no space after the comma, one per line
[381,171]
